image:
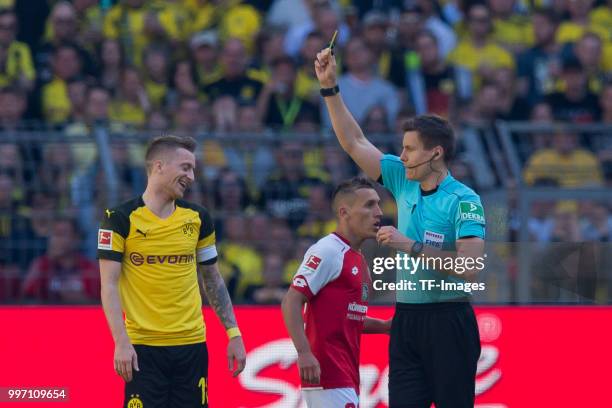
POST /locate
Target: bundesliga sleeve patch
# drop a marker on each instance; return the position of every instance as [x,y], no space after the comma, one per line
[105,239]
[313,262]
[471,212]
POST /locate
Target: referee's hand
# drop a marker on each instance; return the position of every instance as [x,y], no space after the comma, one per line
[325,68]
[125,359]
[310,370]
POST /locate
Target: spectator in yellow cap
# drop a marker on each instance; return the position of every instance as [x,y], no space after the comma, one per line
[478,52]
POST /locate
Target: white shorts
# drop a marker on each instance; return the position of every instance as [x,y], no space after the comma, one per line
[331,398]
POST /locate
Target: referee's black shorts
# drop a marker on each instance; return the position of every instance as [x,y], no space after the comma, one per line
[433,352]
[169,377]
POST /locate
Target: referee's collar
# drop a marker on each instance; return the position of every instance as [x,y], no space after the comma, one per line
[446,180]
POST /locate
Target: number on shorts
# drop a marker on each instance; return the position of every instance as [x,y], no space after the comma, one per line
[202,385]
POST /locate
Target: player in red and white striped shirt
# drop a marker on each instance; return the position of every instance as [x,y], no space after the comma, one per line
[334,281]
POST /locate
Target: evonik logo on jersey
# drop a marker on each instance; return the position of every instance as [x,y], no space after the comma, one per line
[138,259]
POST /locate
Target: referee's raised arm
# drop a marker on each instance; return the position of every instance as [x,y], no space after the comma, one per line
[348,132]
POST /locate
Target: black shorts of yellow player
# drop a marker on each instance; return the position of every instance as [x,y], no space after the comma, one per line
[169,377]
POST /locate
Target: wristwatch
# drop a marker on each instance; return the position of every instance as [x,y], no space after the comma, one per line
[330,91]
[416,249]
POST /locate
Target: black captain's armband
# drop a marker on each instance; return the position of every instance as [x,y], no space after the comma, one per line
[210,261]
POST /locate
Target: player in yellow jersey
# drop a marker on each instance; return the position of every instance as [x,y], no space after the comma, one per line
[157,257]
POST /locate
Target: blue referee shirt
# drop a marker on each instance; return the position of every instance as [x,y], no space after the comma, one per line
[436,218]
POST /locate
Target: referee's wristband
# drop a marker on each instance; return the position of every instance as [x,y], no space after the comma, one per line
[233,332]
[330,91]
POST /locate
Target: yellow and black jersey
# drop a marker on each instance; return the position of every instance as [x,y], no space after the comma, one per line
[158,285]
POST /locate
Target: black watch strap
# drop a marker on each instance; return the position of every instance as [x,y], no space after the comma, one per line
[416,249]
[330,91]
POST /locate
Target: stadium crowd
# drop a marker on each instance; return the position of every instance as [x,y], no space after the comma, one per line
[214,69]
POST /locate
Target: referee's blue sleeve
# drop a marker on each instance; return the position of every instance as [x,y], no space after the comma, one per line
[469,217]
[393,174]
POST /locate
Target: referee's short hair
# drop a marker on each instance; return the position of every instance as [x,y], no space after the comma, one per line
[164,143]
[433,131]
[349,187]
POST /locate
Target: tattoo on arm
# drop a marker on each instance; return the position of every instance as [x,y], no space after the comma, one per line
[217,295]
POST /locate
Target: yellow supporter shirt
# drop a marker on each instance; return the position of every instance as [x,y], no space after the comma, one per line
[247,260]
[384,65]
[516,31]
[127,113]
[468,56]
[570,32]
[261,74]
[174,17]
[241,21]
[56,104]
[213,154]
[317,228]
[207,78]
[85,152]
[18,62]
[602,18]
[606,57]
[202,16]
[291,266]
[157,92]
[306,85]
[128,26]
[578,169]
[158,285]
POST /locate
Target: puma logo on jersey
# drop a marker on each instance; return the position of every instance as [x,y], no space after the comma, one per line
[143,233]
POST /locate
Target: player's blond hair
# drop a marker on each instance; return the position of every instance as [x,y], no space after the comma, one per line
[167,142]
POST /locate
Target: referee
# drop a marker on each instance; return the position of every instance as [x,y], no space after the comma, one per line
[157,254]
[434,345]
